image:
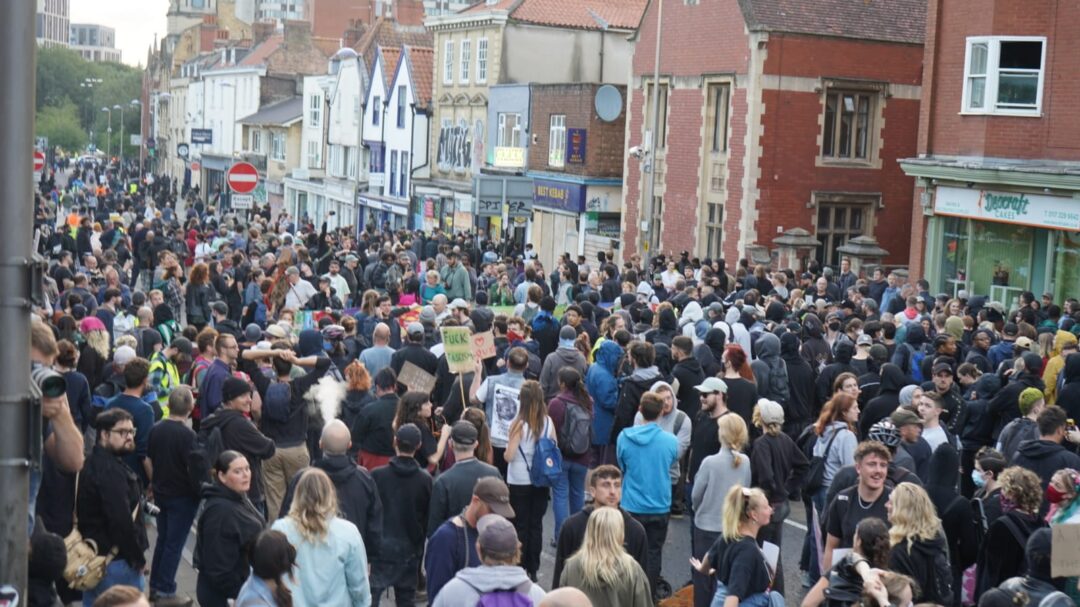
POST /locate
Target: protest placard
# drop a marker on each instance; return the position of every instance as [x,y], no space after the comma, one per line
[458,348]
[1065,551]
[483,345]
[416,379]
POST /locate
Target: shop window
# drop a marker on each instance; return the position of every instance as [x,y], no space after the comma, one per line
[1066,265]
[714,230]
[557,141]
[1000,263]
[662,116]
[1004,75]
[839,220]
[954,254]
[848,121]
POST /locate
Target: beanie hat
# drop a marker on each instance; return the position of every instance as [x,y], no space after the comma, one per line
[1028,398]
[234,387]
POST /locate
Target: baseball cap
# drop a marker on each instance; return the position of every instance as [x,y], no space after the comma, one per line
[864,340]
[1023,342]
[497,536]
[770,411]
[123,355]
[1011,329]
[904,417]
[276,331]
[459,303]
[408,437]
[415,328]
[493,491]
[942,368]
[711,385]
[183,345]
[463,433]
[716,308]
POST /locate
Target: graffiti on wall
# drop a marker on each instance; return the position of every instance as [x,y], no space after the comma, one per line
[455,145]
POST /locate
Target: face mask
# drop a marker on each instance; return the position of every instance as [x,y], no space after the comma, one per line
[834,326]
[977,478]
[1053,495]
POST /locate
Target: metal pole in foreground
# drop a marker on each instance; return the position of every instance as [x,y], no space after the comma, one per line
[645,225]
[18,48]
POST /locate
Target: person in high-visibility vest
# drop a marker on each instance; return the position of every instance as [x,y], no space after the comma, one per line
[166,370]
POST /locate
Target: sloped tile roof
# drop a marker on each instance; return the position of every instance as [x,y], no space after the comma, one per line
[390,56]
[886,20]
[421,62]
[390,34]
[582,14]
[260,54]
[328,46]
[282,113]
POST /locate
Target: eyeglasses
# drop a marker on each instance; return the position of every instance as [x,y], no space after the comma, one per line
[123,432]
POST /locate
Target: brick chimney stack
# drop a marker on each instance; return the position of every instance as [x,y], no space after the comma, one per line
[261,31]
[297,34]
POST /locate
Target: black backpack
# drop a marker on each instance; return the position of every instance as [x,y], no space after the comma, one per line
[575,434]
[208,447]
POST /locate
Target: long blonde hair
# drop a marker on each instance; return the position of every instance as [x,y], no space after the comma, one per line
[314,504]
[738,504]
[98,341]
[733,434]
[604,562]
[913,516]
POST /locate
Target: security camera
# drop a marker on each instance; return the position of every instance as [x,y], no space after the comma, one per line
[636,151]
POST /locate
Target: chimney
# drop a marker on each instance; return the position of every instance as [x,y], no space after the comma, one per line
[297,34]
[354,32]
[409,12]
[261,31]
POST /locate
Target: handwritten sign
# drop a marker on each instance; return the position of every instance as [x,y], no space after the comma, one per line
[507,403]
[416,379]
[483,345]
[1065,551]
[458,347]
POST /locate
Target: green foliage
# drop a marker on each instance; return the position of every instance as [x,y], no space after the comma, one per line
[61,84]
[61,125]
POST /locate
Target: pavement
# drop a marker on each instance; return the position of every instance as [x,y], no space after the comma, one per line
[676,567]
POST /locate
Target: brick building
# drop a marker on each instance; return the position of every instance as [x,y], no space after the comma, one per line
[795,117]
[998,180]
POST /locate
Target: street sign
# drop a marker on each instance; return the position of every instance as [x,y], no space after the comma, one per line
[183,151]
[202,136]
[242,177]
[39,161]
[242,201]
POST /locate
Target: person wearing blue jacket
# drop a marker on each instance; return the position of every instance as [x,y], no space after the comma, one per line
[645,453]
[603,387]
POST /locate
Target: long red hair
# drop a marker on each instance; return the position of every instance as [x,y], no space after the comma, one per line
[736,357]
[834,411]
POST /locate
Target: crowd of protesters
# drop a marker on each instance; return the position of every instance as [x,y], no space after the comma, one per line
[241,374]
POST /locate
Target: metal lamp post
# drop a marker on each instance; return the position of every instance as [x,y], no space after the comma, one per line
[108,138]
[135,103]
[121,108]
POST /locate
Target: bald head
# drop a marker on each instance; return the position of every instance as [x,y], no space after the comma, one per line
[566,597]
[381,334]
[335,438]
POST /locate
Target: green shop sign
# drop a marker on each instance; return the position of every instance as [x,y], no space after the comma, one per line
[1035,210]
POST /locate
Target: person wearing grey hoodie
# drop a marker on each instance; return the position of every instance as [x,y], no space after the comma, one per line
[566,355]
[499,551]
[769,369]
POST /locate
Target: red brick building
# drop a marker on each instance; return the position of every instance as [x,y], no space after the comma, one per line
[998,176]
[793,116]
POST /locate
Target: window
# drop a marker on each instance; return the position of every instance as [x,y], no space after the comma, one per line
[402,190]
[315,110]
[847,125]
[718,117]
[656,223]
[714,229]
[841,218]
[314,155]
[401,107]
[393,172]
[481,60]
[356,111]
[277,146]
[466,59]
[1004,75]
[509,131]
[448,63]
[350,162]
[557,141]
[661,128]
[376,110]
[256,141]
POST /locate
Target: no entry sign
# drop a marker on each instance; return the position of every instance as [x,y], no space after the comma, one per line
[39,161]
[242,177]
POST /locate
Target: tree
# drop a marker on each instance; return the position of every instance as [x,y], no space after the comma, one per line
[61,125]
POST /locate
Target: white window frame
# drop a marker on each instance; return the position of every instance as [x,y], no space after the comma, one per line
[481,60]
[315,110]
[448,62]
[990,90]
[376,110]
[511,138]
[256,140]
[466,60]
[557,141]
[314,153]
[393,172]
[402,94]
[403,177]
[350,162]
[277,145]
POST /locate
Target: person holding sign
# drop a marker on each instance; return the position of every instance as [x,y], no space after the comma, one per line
[414,351]
[482,392]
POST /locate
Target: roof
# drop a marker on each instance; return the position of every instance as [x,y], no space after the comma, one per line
[421,62]
[581,14]
[261,53]
[328,46]
[390,34]
[885,20]
[282,113]
[390,57]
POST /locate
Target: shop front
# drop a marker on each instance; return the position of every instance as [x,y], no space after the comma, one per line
[1001,242]
[443,208]
[382,212]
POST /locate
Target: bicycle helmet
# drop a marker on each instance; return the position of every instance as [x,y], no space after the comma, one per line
[333,332]
[885,432]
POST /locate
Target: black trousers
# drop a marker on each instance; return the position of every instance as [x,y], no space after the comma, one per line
[656,526]
[529,504]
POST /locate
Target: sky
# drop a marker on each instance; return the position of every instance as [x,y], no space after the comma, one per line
[135,22]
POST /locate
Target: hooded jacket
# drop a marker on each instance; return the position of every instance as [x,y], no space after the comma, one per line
[645,453]
[407,487]
[1069,397]
[604,389]
[921,560]
[230,522]
[561,357]
[1014,434]
[1044,458]
[801,405]
[692,323]
[1056,364]
[770,372]
[710,352]
[815,349]
[469,585]
[979,427]
[1005,406]
[955,512]
[689,374]
[1002,554]
[887,400]
[666,330]
[239,434]
[630,391]
[841,364]
[903,357]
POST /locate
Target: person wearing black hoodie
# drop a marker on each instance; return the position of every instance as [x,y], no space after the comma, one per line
[1037,586]
[907,355]
[711,352]
[1001,554]
[1005,406]
[978,427]
[815,349]
[1046,456]
[841,364]
[955,512]
[923,558]
[887,400]
[1069,395]
[666,330]
[770,372]
[643,358]
[403,483]
[688,373]
[801,376]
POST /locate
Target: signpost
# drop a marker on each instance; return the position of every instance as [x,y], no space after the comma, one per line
[39,164]
[242,201]
[242,178]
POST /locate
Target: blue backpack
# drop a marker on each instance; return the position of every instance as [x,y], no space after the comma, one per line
[915,364]
[546,467]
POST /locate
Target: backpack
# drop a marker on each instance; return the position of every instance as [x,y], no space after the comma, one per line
[575,435]
[276,402]
[516,597]
[208,446]
[941,578]
[914,360]
[546,467]
[815,475]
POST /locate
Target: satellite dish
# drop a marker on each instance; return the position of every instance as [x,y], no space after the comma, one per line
[608,103]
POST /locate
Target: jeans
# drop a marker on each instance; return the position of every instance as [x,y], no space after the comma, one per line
[656,526]
[402,576]
[761,599]
[812,539]
[700,542]
[530,505]
[568,494]
[118,572]
[173,525]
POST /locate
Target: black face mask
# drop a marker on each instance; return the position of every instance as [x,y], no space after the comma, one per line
[834,326]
